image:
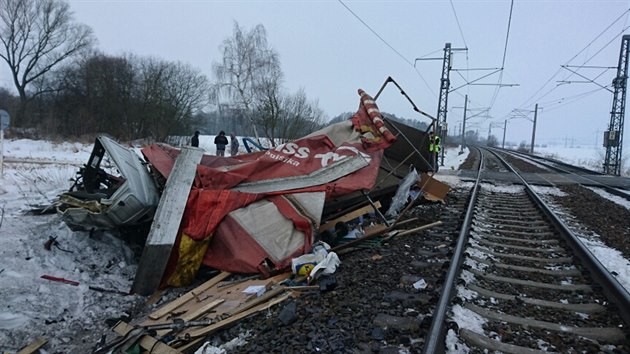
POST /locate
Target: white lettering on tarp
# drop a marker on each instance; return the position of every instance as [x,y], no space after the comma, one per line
[282,158]
[280,153]
[334,156]
[293,149]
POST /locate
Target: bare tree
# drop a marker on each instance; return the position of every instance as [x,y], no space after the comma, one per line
[36,36]
[248,66]
[298,117]
[170,96]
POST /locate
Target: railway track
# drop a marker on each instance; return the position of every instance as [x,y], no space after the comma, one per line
[525,284]
[576,174]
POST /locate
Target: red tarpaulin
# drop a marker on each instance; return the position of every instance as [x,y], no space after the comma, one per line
[282,182]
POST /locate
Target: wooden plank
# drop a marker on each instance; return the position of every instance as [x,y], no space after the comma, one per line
[153,299]
[195,314]
[166,221]
[33,347]
[352,215]
[146,341]
[230,320]
[406,232]
[249,304]
[188,296]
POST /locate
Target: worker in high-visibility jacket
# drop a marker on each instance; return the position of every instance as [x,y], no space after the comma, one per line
[434,149]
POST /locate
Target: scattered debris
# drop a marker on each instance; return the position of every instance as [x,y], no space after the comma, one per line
[112,291]
[33,347]
[288,314]
[61,280]
[52,241]
[420,284]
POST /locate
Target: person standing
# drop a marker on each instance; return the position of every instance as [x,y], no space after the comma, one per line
[221,142]
[233,145]
[194,141]
[434,150]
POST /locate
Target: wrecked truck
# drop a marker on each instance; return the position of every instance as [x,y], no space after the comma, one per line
[250,213]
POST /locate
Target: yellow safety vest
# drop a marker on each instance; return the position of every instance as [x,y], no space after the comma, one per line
[434,144]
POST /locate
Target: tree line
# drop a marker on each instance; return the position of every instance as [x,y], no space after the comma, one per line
[66,87]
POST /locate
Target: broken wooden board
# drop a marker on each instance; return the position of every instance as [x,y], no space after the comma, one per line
[199,334]
[166,221]
[416,229]
[188,296]
[350,216]
[146,341]
[33,347]
[192,307]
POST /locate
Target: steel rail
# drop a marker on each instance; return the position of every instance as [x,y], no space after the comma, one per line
[545,162]
[434,342]
[536,157]
[615,293]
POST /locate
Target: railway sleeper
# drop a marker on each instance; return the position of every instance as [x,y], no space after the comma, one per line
[560,287]
[558,273]
[482,241]
[583,308]
[559,260]
[609,334]
[481,341]
[528,235]
[516,220]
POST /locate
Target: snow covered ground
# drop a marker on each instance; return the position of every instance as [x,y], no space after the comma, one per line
[585,156]
[69,316]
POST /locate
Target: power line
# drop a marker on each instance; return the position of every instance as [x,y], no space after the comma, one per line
[376,34]
[571,99]
[569,61]
[507,37]
[458,25]
[461,32]
[388,45]
[571,74]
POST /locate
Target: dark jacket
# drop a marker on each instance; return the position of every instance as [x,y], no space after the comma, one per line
[220,141]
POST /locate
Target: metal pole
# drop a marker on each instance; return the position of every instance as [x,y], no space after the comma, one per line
[445,83]
[461,150]
[504,129]
[531,151]
[1,152]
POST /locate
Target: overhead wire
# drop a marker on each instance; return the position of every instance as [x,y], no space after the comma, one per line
[562,100]
[569,75]
[461,33]
[507,37]
[388,45]
[531,98]
[555,104]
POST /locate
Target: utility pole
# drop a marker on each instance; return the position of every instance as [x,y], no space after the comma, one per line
[461,149]
[613,137]
[521,114]
[445,83]
[531,150]
[504,129]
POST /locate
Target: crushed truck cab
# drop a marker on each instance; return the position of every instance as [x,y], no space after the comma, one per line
[108,196]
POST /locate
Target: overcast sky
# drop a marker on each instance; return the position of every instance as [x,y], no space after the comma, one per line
[326,50]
